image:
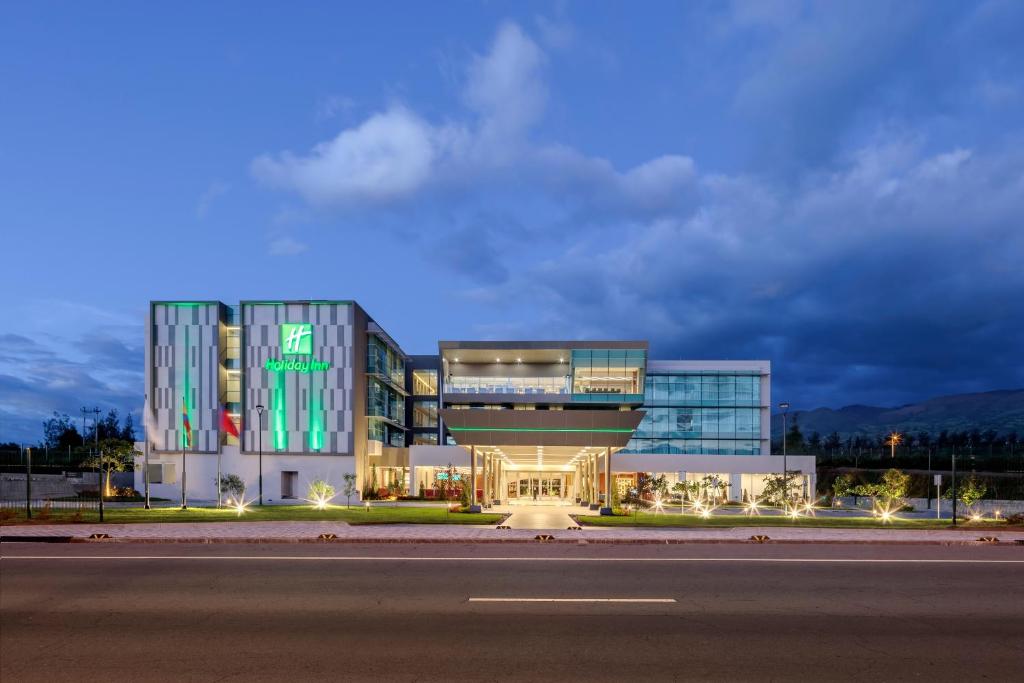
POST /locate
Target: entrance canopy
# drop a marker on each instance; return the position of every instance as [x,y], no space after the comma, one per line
[550,437]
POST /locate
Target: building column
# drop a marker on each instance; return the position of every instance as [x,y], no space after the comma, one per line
[483,486]
[472,477]
[594,482]
[736,487]
[607,482]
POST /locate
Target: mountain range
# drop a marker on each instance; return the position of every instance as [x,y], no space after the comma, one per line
[1002,411]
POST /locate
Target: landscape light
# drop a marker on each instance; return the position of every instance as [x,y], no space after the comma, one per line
[659,507]
[239,506]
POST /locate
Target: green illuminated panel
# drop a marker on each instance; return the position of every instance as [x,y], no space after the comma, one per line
[279,421]
[316,416]
[296,338]
[187,395]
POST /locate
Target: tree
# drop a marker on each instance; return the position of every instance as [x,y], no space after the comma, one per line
[232,484]
[843,485]
[895,485]
[814,442]
[349,488]
[128,430]
[775,486]
[969,491]
[795,438]
[320,492]
[60,433]
[114,456]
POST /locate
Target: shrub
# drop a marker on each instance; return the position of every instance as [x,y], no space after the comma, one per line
[1015,518]
[320,490]
[232,484]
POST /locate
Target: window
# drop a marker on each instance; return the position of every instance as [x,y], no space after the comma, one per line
[424,414]
[424,382]
[424,439]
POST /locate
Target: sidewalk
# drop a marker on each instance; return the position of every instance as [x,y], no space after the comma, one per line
[308,532]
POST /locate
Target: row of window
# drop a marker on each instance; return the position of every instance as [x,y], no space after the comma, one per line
[702,389]
[424,382]
[681,423]
[507,385]
[383,360]
[693,446]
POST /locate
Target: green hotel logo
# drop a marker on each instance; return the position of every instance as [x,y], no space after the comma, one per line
[292,365]
[296,339]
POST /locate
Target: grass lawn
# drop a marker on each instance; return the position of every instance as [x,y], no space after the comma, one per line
[289,513]
[645,519]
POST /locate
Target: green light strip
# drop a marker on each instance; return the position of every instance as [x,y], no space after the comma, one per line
[535,429]
[280,420]
[187,395]
[316,416]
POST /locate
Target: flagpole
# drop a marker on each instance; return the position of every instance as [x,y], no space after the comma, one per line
[220,447]
[185,438]
[145,438]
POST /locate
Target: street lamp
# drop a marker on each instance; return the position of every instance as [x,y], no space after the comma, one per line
[784,406]
[895,439]
[259,411]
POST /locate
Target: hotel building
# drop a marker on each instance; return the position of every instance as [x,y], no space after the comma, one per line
[318,390]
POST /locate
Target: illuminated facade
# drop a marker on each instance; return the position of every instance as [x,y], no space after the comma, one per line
[322,391]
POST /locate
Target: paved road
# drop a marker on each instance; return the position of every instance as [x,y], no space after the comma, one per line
[404,612]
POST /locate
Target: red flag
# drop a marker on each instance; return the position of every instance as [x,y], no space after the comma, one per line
[227,424]
[186,426]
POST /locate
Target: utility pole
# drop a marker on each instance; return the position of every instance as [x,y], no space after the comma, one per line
[785,470]
[954,486]
[28,481]
[145,438]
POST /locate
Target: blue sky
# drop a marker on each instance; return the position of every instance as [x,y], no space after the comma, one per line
[836,187]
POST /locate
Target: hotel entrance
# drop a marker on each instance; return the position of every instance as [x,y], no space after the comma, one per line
[539,487]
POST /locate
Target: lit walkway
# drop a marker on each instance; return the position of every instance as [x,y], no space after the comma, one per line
[540,516]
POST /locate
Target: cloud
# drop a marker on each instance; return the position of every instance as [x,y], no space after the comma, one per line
[386,157]
[396,155]
[215,190]
[870,249]
[286,246]
[95,369]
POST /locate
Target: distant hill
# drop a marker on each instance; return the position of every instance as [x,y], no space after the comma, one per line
[1002,411]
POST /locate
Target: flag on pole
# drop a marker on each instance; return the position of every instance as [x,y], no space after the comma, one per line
[149,424]
[186,426]
[227,424]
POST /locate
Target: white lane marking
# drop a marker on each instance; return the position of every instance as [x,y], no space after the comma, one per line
[359,558]
[641,600]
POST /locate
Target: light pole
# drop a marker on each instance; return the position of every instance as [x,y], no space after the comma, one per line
[259,411]
[784,406]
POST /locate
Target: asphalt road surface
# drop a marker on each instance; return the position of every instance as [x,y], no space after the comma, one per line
[519,612]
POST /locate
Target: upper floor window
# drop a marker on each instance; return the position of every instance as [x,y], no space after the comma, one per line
[424,382]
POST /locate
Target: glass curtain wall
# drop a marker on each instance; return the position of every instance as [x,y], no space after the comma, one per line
[609,375]
[700,414]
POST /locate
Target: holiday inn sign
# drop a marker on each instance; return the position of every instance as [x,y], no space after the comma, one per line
[296,340]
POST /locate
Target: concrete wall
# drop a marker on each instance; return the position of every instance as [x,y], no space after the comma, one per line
[201,473]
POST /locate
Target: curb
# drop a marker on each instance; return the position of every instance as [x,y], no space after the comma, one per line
[207,540]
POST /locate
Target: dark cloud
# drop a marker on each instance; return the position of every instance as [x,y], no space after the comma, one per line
[35,381]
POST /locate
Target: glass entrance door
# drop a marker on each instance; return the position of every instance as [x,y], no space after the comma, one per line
[538,486]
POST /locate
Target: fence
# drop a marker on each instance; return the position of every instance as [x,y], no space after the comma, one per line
[87,508]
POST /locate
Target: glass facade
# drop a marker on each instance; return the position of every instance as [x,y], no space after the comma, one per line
[385,393]
[608,374]
[424,414]
[700,413]
[507,385]
[424,382]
